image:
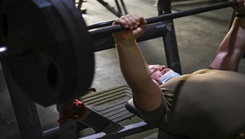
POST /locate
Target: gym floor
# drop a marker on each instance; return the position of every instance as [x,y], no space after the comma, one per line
[198,38]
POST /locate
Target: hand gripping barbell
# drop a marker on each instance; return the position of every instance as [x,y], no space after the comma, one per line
[48,50]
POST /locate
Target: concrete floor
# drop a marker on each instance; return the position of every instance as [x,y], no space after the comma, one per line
[198,39]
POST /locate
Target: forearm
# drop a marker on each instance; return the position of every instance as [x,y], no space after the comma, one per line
[234,40]
[231,48]
[239,25]
[132,64]
[146,93]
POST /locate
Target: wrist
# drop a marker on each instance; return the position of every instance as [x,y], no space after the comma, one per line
[125,44]
[125,41]
[240,21]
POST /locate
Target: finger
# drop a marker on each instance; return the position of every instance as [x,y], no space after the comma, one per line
[136,20]
[122,22]
[131,21]
[138,31]
[143,22]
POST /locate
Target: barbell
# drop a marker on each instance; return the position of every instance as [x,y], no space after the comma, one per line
[48,49]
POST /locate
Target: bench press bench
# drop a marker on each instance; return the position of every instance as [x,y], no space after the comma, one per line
[116,104]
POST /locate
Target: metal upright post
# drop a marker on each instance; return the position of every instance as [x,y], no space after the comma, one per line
[124,7]
[169,39]
[25,110]
[118,8]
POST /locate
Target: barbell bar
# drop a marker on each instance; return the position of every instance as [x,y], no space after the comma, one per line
[49,50]
[108,28]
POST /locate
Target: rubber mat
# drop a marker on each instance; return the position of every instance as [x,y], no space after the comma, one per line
[110,103]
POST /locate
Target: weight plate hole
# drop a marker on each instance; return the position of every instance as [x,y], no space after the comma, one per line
[52,76]
[4,25]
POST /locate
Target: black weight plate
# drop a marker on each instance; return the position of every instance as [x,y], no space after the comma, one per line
[58,62]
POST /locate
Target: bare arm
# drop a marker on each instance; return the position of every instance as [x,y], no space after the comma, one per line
[232,47]
[146,94]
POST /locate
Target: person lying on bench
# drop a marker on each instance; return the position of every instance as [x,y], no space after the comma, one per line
[206,104]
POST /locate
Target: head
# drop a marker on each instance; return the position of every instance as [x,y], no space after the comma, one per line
[161,73]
